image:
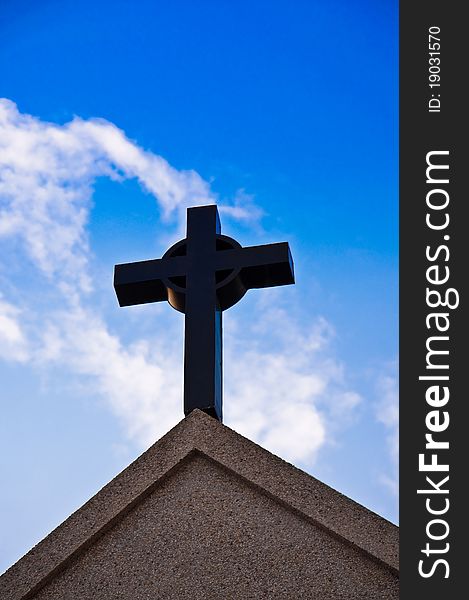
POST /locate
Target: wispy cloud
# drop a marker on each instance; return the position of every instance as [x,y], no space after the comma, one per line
[387,413]
[46,177]
[47,171]
[287,391]
[13,344]
[243,208]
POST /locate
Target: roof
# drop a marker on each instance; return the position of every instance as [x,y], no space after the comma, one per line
[199,435]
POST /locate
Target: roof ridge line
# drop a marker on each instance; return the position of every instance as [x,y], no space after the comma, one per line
[298,511]
[92,536]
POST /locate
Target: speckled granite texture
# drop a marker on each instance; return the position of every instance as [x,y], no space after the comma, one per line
[207,514]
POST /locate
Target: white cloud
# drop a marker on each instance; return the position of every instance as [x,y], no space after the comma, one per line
[282,395]
[13,344]
[243,208]
[135,380]
[287,392]
[387,413]
[46,177]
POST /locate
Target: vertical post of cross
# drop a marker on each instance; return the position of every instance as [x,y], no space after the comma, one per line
[203,316]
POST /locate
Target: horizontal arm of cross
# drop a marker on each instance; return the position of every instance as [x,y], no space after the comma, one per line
[261,266]
[142,282]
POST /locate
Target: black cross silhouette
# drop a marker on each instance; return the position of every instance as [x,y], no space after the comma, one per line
[201,276]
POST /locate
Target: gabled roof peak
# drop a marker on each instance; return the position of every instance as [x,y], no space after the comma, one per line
[201,434]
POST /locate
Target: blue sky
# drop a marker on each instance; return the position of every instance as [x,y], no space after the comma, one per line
[116,116]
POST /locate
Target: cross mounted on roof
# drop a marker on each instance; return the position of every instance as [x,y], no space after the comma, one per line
[201,276]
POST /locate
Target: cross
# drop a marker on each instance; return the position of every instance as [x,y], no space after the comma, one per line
[201,276]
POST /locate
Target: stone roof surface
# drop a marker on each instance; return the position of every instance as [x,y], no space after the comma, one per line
[206,513]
